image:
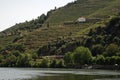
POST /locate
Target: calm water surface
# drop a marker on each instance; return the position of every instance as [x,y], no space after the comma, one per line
[57,74]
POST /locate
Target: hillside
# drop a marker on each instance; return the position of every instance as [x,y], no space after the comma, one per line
[36,33]
[85,8]
[83,32]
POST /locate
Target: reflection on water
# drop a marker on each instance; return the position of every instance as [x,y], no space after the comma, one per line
[76,77]
[57,74]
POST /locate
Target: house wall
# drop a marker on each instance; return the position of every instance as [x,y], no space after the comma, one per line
[81,20]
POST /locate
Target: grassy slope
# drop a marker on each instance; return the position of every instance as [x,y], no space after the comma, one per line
[44,36]
[88,8]
[112,9]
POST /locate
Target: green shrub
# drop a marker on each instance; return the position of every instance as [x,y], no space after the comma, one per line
[82,55]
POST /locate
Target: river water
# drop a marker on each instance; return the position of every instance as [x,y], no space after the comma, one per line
[57,74]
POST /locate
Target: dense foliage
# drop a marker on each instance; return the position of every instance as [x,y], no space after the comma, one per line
[32,43]
[59,47]
[79,56]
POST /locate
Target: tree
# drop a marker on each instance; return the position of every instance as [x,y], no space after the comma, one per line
[113,27]
[97,49]
[11,61]
[34,56]
[82,55]
[68,58]
[60,64]
[111,50]
[45,63]
[53,63]
[89,42]
[23,60]
[113,60]
[107,60]
[118,60]
[100,59]
[42,18]
[20,47]
[91,32]
[1,58]
[99,39]
[116,40]
[16,53]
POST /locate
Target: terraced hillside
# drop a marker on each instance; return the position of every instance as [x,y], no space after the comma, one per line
[85,8]
[43,35]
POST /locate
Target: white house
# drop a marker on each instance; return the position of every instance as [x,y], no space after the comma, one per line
[81,19]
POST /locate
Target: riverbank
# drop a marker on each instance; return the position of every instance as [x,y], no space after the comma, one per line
[107,67]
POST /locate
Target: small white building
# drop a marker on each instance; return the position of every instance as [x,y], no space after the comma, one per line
[81,19]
